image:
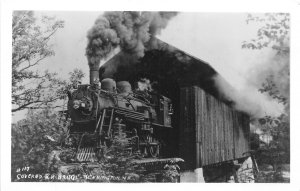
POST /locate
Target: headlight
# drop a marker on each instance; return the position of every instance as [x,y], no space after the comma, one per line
[76,104]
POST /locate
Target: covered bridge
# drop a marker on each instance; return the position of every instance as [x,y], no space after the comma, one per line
[206,129]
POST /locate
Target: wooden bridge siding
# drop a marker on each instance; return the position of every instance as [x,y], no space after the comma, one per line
[241,135]
[187,131]
[211,132]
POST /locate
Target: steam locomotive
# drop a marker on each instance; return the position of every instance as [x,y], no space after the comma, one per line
[100,110]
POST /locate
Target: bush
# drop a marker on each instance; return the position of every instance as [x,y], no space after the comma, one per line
[33,139]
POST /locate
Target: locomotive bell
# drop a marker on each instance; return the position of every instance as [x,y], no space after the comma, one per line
[124,87]
[108,84]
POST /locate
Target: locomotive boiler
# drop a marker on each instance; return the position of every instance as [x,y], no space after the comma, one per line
[99,111]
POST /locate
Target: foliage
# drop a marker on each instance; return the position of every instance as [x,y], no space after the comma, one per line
[170,173]
[76,76]
[274,149]
[34,138]
[270,88]
[118,164]
[30,46]
[42,134]
[278,150]
[117,160]
[274,33]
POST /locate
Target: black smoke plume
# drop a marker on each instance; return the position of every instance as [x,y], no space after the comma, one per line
[131,31]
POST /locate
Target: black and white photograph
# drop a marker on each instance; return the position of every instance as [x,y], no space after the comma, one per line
[126,96]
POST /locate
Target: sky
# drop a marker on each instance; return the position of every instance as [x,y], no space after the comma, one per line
[213,37]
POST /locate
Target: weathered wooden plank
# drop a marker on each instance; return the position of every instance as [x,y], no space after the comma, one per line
[227,121]
[212,120]
[198,154]
[184,124]
[216,154]
[247,140]
[246,130]
[225,134]
[242,148]
[218,130]
[211,130]
[209,158]
[240,136]
[194,123]
[215,133]
[192,117]
[198,120]
[200,135]
[230,134]
[182,121]
[235,134]
[205,134]
[222,134]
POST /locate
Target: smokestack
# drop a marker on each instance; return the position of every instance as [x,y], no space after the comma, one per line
[94,74]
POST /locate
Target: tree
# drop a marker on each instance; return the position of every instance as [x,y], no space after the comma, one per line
[30,46]
[274,33]
[75,77]
[34,138]
[42,131]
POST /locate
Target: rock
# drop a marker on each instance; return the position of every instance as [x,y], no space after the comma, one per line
[132,176]
[245,173]
[283,172]
[265,167]
[284,167]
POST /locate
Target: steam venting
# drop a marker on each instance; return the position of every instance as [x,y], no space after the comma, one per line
[144,84]
[273,75]
[270,73]
[248,100]
[130,31]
